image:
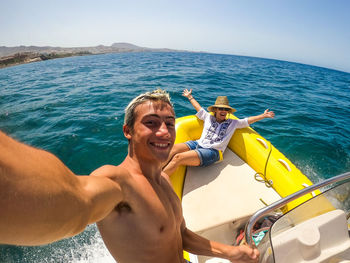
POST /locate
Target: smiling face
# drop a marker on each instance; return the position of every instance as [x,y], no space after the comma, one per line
[153,133]
[220,114]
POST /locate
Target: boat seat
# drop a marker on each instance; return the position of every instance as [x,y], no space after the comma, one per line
[323,238]
[231,180]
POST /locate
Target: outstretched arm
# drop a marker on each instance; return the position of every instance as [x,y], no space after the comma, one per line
[188,94]
[266,114]
[42,201]
[200,246]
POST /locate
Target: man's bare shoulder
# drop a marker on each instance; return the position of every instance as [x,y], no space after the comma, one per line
[111,171]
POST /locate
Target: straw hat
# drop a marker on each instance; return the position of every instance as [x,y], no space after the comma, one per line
[221,102]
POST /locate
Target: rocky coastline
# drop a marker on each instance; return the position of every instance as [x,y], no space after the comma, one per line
[29,57]
[11,56]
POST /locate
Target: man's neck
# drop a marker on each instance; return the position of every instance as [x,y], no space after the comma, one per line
[150,169]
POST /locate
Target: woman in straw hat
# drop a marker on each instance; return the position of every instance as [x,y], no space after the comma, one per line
[217,132]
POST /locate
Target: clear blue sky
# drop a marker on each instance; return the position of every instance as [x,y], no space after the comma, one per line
[315,32]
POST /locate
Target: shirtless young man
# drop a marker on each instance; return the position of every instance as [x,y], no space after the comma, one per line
[138,213]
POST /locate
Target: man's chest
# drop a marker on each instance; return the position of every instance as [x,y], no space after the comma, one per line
[160,203]
[151,215]
[151,201]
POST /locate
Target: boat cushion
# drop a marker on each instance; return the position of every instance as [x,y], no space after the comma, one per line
[231,180]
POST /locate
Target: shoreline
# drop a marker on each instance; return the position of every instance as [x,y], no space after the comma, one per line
[12,56]
[30,57]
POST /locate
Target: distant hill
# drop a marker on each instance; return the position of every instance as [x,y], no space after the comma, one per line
[25,54]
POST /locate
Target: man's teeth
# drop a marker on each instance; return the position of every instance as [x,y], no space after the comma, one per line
[161,144]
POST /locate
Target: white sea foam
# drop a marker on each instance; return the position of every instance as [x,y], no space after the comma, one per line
[96,252]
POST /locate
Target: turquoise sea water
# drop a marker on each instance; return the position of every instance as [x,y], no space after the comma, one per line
[73,107]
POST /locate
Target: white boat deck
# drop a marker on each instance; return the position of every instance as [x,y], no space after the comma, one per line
[231,180]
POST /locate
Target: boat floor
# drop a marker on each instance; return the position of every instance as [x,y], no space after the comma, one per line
[223,192]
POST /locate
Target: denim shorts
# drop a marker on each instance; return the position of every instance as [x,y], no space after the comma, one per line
[207,156]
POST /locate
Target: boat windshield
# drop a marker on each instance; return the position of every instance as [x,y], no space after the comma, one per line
[306,229]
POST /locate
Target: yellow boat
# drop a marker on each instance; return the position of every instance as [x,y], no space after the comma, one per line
[218,200]
[246,144]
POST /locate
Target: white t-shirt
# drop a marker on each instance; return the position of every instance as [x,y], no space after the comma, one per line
[217,135]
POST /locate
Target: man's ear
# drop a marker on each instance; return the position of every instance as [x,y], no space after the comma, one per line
[127,131]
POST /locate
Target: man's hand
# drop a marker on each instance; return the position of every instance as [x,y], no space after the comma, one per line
[244,254]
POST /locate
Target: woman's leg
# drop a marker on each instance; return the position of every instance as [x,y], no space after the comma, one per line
[177,148]
[188,158]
